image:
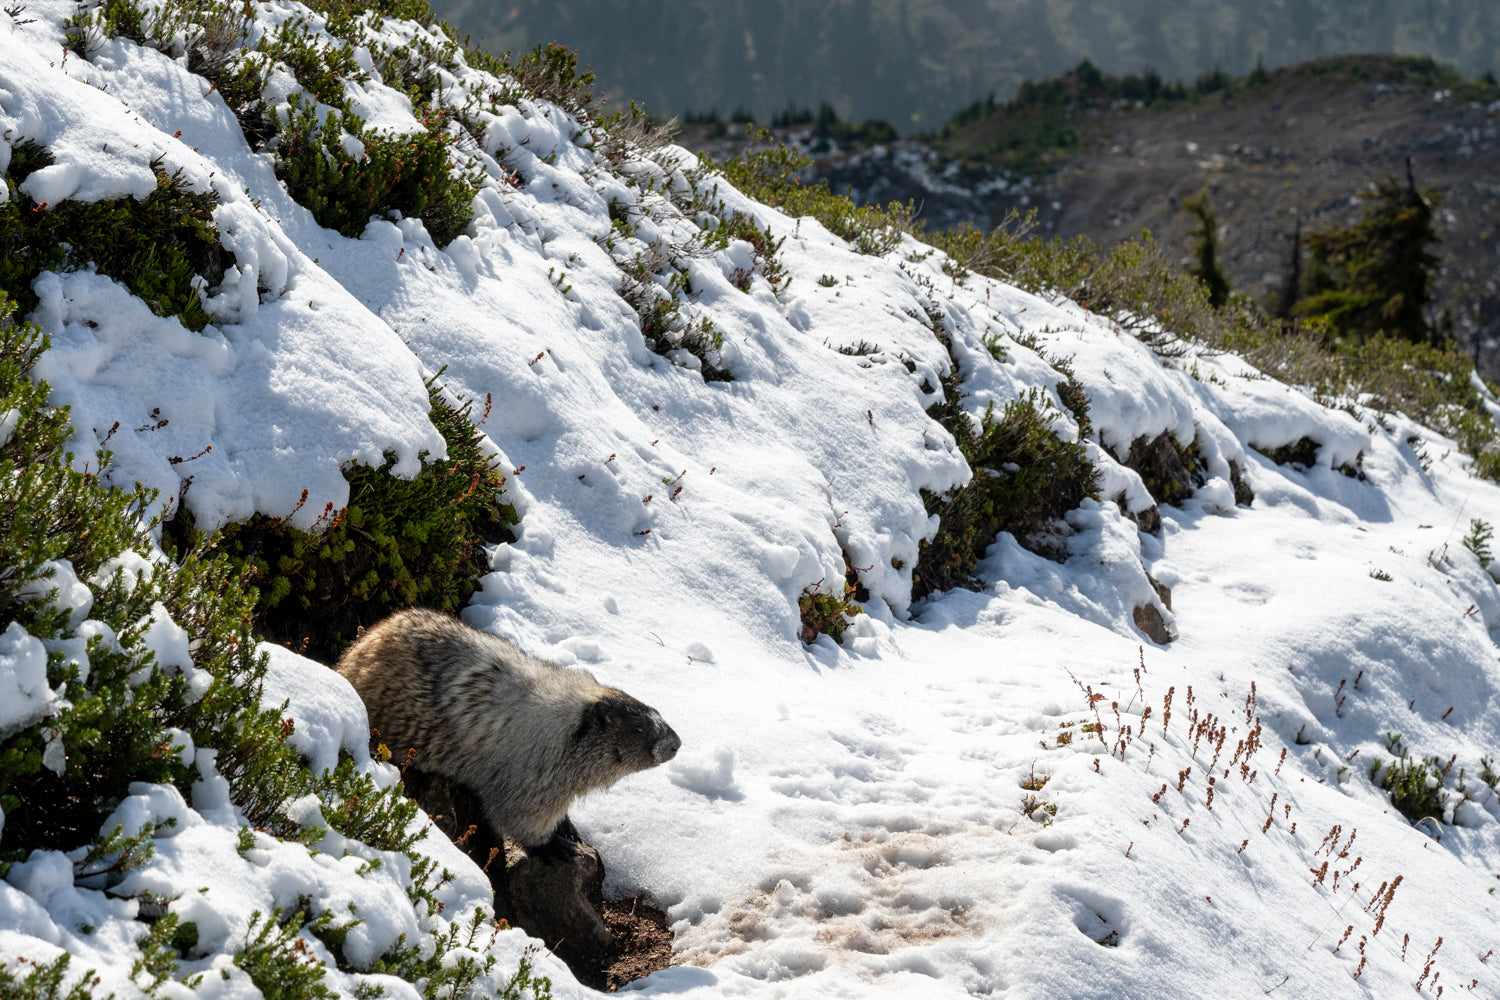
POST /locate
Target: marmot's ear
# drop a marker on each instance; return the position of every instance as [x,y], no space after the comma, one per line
[597,718]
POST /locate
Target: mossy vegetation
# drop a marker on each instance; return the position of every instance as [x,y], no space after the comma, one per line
[828,612]
[164,248]
[399,543]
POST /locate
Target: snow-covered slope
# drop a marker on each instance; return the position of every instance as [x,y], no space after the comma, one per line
[1009,792]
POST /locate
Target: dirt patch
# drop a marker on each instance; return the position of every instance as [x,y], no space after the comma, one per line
[643,941]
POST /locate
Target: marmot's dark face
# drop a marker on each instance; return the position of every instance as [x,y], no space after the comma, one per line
[625,735]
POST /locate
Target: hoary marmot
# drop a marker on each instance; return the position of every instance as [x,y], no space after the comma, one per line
[526,736]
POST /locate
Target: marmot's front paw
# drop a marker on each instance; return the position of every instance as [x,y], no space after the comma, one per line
[562,847]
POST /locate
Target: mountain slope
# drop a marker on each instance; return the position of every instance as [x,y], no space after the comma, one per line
[1008,790]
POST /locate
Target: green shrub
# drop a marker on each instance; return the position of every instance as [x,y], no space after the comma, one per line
[399,543]
[163,248]
[827,613]
[1137,286]
[278,963]
[1025,479]
[115,722]
[1478,541]
[1415,785]
[659,309]
[406,173]
[46,981]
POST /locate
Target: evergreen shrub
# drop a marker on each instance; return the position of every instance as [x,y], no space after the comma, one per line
[406,173]
[164,248]
[1025,478]
[115,723]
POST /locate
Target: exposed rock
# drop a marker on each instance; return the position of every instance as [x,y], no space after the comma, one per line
[1243,494]
[1148,520]
[1148,618]
[1170,471]
[1300,454]
[558,902]
[1162,591]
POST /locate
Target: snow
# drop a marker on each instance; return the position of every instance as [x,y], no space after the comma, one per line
[25,697]
[858,820]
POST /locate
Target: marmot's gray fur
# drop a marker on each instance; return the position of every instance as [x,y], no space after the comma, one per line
[526,736]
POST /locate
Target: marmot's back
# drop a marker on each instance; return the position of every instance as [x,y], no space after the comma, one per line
[526,735]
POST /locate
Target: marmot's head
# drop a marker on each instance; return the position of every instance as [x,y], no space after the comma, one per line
[621,735]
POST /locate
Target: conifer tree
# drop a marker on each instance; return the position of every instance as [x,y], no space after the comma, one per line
[1375,276]
[1209,271]
[1292,285]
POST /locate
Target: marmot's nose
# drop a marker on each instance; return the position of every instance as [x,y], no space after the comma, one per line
[667,745]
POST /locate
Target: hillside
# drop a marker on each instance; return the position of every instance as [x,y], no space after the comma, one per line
[1300,144]
[1017,648]
[911,62]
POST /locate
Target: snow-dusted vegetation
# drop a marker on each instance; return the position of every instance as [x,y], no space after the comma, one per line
[1015,650]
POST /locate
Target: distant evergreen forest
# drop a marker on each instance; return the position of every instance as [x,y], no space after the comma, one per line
[913,62]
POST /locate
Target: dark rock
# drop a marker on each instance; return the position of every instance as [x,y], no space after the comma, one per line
[1243,494]
[1148,618]
[559,902]
[1148,520]
[1300,454]
[1162,591]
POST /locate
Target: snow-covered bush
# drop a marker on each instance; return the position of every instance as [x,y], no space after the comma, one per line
[164,247]
[400,543]
[112,695]
[132,678]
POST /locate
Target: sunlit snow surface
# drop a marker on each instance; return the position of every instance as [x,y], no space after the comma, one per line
[842,821]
